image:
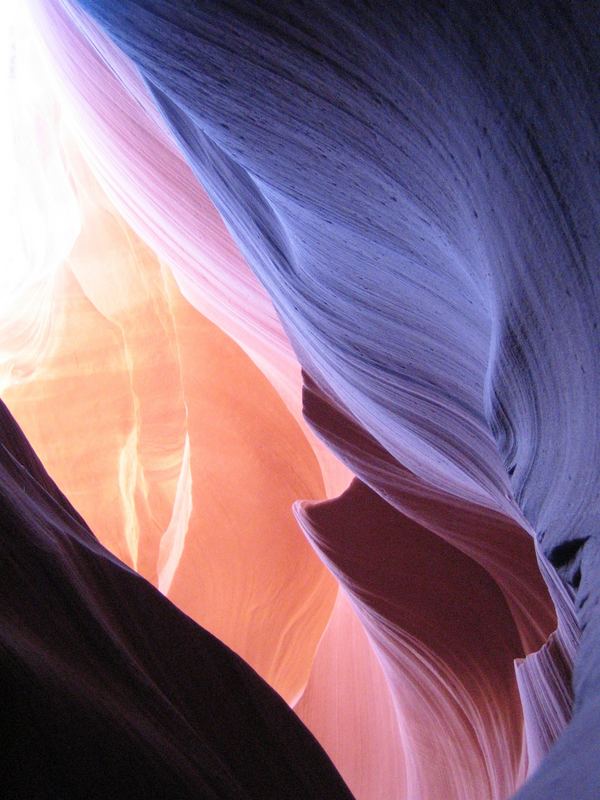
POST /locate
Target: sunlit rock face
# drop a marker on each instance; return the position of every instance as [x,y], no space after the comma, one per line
[165,455]
[401,203]
[109,689]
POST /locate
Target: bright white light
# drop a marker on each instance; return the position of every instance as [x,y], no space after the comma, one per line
[39,217]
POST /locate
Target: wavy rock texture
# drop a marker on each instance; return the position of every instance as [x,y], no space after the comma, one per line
[349,706]
[414,187]
[449,657]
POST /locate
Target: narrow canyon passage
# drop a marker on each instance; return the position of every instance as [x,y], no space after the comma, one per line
[300,314]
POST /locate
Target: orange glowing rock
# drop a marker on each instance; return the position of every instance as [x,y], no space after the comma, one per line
[184,473]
